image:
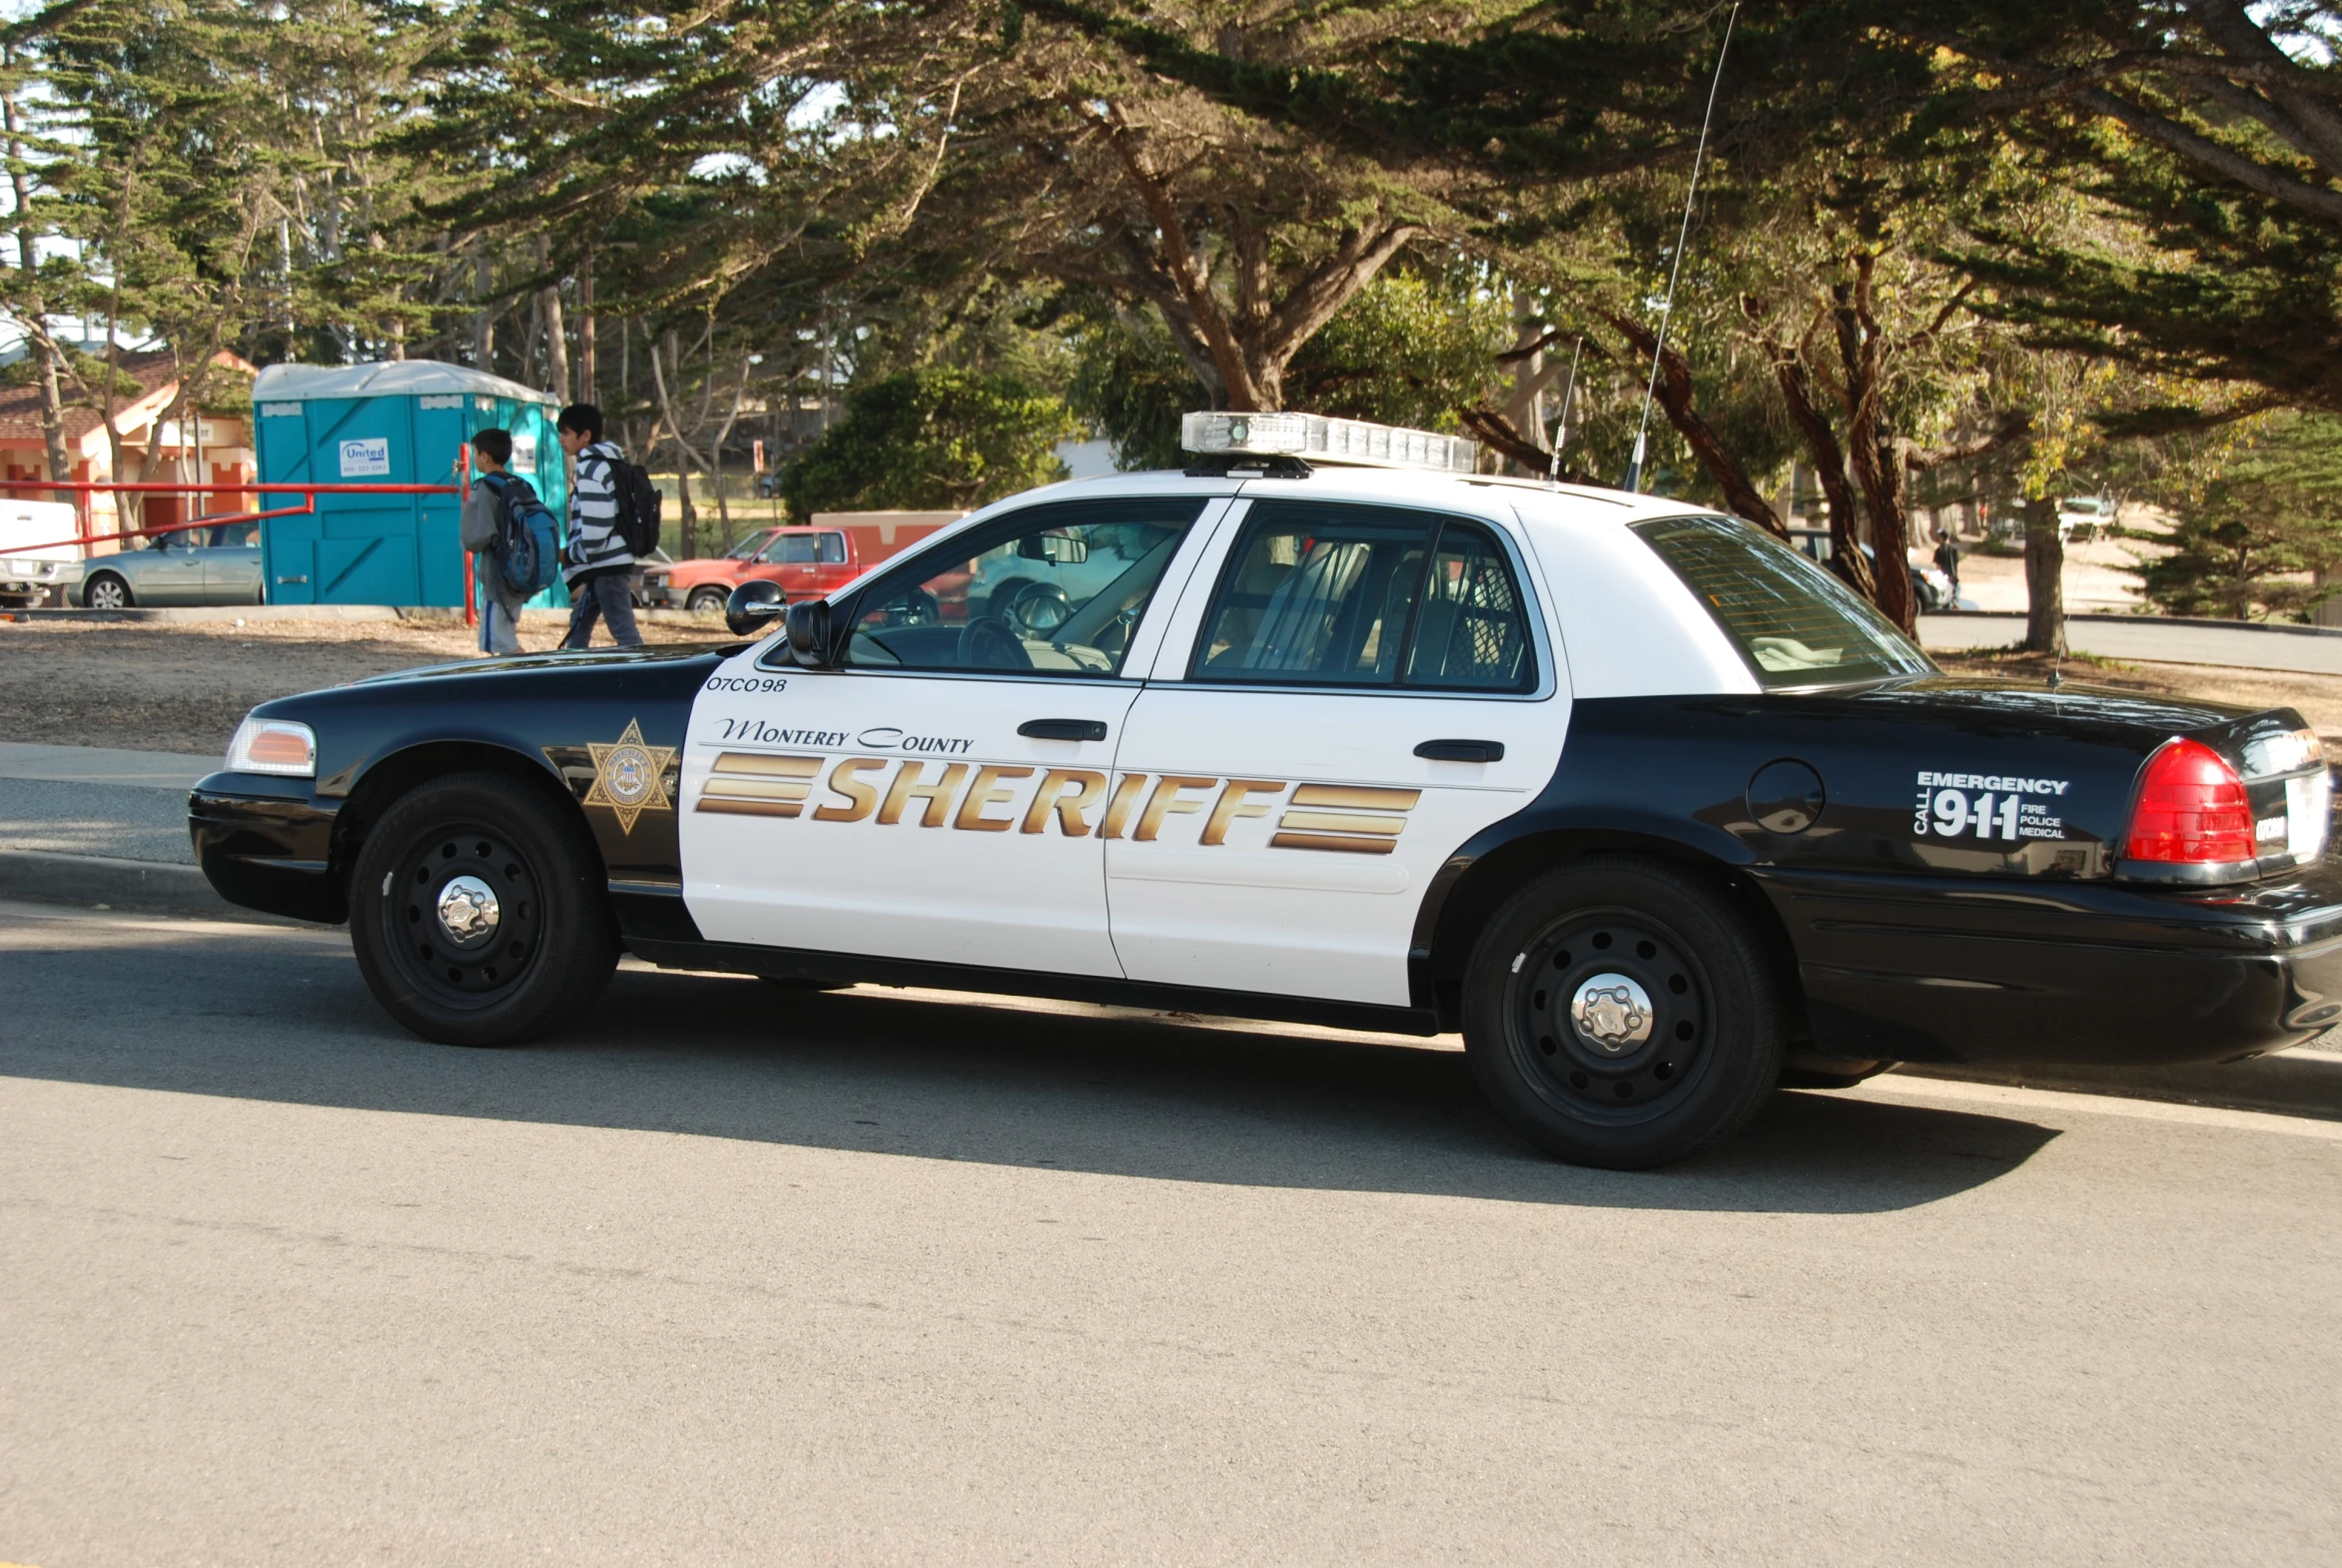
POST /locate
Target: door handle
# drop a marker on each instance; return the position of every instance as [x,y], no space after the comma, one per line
[1063,729]
[1462,750]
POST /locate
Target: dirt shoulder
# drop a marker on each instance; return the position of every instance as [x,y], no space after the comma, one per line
[186,687]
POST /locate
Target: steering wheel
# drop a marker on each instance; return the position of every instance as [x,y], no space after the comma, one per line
[988,644]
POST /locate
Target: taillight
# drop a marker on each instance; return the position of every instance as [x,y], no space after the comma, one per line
[2191,809]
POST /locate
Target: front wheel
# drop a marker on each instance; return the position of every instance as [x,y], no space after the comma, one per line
[1618,1013]
[707,600]
[480,912]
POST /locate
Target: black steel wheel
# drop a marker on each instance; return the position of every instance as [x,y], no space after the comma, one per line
[478,912]
[1618,1013]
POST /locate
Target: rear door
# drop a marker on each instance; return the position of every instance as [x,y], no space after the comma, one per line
[231,564]
[1348,694]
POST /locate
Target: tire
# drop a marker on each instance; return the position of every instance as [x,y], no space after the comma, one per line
[707,600]
[106,591]
[552,943]
[1708,1013]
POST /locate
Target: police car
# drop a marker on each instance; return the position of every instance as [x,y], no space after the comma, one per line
[1330,728]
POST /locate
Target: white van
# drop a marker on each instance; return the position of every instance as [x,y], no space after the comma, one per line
[32,563]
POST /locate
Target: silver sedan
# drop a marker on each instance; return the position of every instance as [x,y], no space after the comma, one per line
[215,565]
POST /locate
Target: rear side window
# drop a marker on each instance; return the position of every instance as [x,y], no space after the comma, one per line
[1794,621]
[1366,596]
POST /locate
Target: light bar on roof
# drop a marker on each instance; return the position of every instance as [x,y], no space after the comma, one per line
[1321,439]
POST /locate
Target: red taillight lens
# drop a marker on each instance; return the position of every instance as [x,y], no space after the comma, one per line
[2191,809]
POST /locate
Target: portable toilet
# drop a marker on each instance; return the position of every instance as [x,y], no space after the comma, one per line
[400,421]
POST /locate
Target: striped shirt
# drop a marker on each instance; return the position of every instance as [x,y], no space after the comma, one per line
[595,545]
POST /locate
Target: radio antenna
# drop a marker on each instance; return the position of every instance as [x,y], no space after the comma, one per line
[1561,428]
[1634,470]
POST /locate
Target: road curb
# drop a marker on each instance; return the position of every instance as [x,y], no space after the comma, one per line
[141,886]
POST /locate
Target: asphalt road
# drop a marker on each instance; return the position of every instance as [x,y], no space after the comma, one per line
[731,1276]
[2237,646]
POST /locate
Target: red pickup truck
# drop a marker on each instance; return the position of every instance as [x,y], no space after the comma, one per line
[807,560]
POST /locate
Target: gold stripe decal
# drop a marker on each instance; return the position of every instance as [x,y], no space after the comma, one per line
[1347,819]
[758,784]
[1346,797]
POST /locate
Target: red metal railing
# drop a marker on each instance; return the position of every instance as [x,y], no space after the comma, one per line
[84,536]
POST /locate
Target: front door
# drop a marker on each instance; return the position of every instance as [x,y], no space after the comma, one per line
[938,795]
[172,571]
[1366,688]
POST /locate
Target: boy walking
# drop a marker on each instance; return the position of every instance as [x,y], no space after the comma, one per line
[482,527]
[598,565]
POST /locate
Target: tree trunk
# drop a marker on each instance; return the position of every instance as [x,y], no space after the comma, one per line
[1524,402]
[484,322]
[2044,578]
[38,341]
[1675,396]
[1796,395]
[557,336]
[1879,467]
[588,373]
[690,515]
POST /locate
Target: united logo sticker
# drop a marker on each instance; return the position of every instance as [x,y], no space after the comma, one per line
[630,777]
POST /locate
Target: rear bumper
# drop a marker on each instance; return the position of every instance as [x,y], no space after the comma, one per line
[267,844]
[1911,970]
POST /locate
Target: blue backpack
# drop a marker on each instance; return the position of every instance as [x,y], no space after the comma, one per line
[529,537]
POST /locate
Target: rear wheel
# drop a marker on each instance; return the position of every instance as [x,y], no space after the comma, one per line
[479,914]
[106,591]
[1618,1013]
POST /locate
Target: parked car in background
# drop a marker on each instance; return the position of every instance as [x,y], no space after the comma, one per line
[1930,589]
[650,572]
[2085,516]
[215,565]
[32,563]
[807,560]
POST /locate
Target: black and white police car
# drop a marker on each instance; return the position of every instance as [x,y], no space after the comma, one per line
[1328,728]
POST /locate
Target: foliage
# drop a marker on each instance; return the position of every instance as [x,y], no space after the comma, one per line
[929,440]
[1415,348]
[1132,384]
[2255,539]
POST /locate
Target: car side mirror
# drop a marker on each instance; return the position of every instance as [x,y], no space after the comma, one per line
[809,632]
[750,608]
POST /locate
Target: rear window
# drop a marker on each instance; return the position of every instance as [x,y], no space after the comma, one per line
[1794,621]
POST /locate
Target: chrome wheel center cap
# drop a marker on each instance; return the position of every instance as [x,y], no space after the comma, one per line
[1612,1012]
[468,911]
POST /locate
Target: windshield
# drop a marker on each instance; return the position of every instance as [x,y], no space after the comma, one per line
[1794,621]
[748,546]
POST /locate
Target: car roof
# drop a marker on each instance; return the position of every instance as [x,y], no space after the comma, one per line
[1403,486]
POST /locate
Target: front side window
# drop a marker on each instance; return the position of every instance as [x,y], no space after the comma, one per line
[790,549]
[1318,594]
[1055,590]
[1794,621]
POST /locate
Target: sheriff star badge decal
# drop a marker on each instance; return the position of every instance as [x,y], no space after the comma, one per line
[630,777]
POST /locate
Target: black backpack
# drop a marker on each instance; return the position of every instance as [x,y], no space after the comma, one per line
[640,503]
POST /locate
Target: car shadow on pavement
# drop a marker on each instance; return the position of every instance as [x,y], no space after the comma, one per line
[287,1019]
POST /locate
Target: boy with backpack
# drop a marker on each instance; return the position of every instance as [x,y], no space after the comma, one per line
[614,518]
[482,530]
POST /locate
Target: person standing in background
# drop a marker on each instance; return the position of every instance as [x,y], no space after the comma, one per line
[1948,560]
[597,564]
[483,529]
